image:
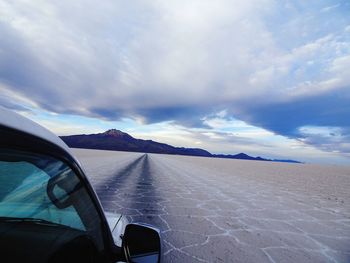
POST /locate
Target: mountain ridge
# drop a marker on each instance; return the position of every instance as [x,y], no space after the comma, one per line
[117,140]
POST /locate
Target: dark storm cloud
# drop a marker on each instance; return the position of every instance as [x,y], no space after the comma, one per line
[331,109]
[186,116]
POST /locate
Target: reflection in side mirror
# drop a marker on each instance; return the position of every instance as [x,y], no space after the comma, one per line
[141,244]
[61,187]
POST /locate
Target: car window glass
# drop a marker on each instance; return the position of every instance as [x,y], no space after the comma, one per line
[24,195]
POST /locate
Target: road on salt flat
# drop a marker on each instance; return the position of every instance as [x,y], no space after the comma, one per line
[219,210]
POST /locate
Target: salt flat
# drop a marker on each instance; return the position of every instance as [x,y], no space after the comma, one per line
[221,210]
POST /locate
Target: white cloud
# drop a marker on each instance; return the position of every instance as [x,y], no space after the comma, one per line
[329,8]
[171,53]
[182,47]
[347,28]
[16,97]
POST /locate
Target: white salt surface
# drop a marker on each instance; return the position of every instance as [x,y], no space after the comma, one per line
[221,210]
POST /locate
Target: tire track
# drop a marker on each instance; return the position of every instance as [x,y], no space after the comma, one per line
[109,189]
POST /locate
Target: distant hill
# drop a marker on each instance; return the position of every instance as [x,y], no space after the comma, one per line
[116,140]
[242,156]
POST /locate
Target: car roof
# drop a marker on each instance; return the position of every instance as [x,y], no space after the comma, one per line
[15,121]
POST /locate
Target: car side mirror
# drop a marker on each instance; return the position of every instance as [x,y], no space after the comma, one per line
[141,244]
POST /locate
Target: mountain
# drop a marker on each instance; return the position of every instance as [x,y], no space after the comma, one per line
[244,156]
[116,140]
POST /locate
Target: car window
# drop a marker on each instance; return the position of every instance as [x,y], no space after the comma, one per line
[23,195]
[34,186]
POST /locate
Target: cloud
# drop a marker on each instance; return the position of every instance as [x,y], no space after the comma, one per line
[330,139]
[272,64]
[286,118]
[330,8]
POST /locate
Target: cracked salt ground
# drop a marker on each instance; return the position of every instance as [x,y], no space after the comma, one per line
[218,210]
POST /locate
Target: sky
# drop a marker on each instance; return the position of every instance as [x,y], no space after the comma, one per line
[264,77]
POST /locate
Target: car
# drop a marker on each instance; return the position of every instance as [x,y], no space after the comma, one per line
[49,212]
